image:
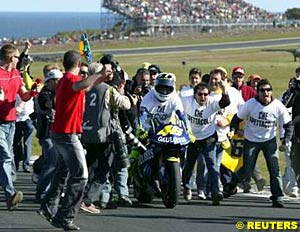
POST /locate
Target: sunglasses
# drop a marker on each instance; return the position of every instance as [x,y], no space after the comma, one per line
[265,89]
[153,72]
[202,94]
[237,75]
[83,73]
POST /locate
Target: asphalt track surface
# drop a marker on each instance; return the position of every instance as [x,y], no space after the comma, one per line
[192,48]
[196,215]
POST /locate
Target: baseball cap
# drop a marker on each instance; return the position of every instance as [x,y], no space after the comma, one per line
[154,68]
[94,68]
[53,74]
[238,69]
[107,59]
[222,69]
[297,70]
[254,77]
[146,65]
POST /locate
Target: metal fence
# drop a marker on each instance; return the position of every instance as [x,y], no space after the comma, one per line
[156,29]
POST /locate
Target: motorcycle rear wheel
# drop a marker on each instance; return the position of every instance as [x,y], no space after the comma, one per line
[142,192]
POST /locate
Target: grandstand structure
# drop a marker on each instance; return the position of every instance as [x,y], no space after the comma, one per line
[174,16]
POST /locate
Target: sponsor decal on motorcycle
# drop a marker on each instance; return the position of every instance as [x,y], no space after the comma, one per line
[173,140]
[171,129]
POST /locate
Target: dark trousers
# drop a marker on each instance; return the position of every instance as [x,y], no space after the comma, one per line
[100,172]
[22,142]
[71,175]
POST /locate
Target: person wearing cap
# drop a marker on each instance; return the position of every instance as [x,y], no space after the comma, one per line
[44,105]
[253,80]
[154,70]
[100,123]
[145,65]
[238,74]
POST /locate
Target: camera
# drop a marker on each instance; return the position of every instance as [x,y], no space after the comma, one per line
[133,140]
[145,89]
[121,152]
[129,86]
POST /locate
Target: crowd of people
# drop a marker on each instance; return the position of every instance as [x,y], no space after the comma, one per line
[82,116]
[158,12]
[166,12]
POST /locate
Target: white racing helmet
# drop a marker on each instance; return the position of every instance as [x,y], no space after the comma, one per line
[164,86]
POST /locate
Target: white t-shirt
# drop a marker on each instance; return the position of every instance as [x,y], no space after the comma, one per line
[236,101]
[261,120]
[186,91]
[24,109]
[159,110]
[201,118]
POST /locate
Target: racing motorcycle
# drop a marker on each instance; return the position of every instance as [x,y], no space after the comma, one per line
[157,170]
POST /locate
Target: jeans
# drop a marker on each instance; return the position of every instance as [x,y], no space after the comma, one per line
[100,152]
[120,181]
[251,151]
[49,165]
[120,184]
[289,177]
[206,148]
[71,174]
[7,130]
[201,176]
[22,142]
[106,193]
[225,175]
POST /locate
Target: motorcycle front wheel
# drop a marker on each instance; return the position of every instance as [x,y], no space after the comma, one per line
[170,184]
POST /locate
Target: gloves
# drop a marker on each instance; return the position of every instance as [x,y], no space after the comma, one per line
[141,134]
[191,136]
[36,87]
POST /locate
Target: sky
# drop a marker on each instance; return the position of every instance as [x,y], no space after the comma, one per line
[94,5]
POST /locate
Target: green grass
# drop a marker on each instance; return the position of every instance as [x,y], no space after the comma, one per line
[278,67]
[183,39]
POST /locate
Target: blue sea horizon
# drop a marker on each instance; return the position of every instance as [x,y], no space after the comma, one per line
[28,25]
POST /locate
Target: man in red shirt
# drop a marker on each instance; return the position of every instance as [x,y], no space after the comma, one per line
[71,172]
[238,74]
[11,84]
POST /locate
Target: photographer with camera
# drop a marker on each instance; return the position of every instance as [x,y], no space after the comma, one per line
[102,135]
[291,99]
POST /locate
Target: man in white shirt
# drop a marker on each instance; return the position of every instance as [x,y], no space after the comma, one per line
[23,134]
[262,114]
[201,112]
